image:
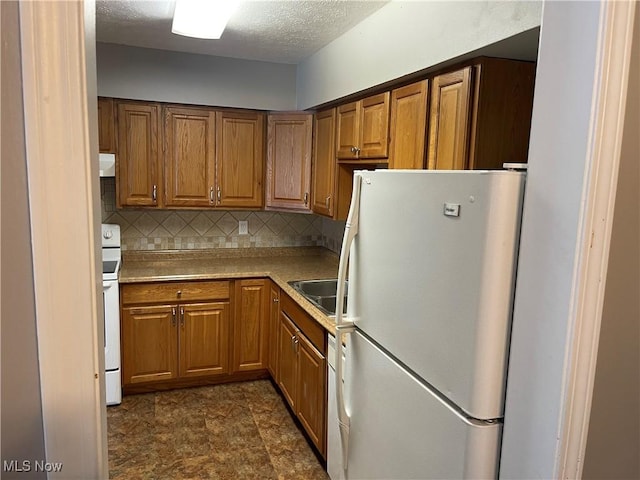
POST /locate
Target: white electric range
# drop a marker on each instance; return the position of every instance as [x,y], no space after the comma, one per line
[111,261]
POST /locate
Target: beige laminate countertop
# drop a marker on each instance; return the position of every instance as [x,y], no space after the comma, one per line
[282,265]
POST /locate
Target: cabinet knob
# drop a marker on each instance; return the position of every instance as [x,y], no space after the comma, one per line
[178,293]
[276,300]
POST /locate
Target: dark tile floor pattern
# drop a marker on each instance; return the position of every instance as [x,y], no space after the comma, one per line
[233,431]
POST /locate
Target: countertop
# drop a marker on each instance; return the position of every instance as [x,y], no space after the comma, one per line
[281,265]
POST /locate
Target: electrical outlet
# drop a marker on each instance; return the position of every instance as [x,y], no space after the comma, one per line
[243,227]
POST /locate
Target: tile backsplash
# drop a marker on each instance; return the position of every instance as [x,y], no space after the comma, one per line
[195,229]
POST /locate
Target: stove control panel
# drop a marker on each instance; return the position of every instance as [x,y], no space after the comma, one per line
[110,235]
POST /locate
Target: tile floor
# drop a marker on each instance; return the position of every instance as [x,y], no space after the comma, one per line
[233,431]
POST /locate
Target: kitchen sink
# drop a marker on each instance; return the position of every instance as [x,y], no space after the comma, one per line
[322,293]
[328,304]
[317,288]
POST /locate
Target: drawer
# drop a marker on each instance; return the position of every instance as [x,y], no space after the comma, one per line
[173,292]
[309,327]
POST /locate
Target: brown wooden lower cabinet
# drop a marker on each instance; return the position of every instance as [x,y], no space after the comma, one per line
[177,334]
[150,344]
[274,318]
[312,384]
[288,360]
[189,330]
[164,342]
[302,369]
[203,334]
[250,325]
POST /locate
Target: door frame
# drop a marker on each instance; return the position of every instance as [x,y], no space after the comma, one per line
[61,133]
[577,126]
[58,44]
[610,98]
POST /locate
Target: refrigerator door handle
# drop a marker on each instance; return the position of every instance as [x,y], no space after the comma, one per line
[344,326]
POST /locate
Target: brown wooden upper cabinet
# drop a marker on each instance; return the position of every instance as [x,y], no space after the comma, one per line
[211,158]
[480,115]
[239,159]
[189,157]
[138,166]
[408,126]
[363,128]
[288,178]
[450,120]
[324,163]
[106,125]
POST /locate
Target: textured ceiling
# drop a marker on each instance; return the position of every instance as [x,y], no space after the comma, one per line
[270,30]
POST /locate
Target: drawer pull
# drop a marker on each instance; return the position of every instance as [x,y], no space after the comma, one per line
[179,293]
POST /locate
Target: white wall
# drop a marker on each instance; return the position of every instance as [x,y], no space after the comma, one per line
[147,74]
[404,37]
[401,38]
[613,444]
[553,240]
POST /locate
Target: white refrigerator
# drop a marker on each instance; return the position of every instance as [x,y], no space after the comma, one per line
[431,260]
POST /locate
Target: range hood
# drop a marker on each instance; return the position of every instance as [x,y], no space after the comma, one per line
[107,165]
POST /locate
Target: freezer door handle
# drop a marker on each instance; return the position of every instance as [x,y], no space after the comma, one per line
[344,326]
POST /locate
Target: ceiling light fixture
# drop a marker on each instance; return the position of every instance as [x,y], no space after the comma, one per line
[202,18]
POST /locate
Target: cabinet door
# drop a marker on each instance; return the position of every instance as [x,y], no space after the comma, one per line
[312,381]
[374,127]
[501,114]
[204,339]
[239,159]
[348,130]
[189,157]
[274,317]
[250,325]
[149,342]
[288,360]
[138,170]
[408,126]
[449,120]
[289,161]
[324,163]
[106,125]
